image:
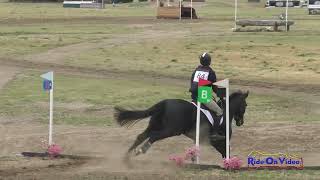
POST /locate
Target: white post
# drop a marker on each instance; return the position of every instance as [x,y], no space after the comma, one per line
[287,5]
[227,121]
[191,10]
[180,8]
[51,112]
[198,128]
[157,8]
[235,13]
[225,84]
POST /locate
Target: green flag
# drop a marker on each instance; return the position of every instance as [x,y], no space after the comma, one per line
[204,94]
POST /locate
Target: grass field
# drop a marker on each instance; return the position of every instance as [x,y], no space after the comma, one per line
[275,56]
[123,56]
[94,97]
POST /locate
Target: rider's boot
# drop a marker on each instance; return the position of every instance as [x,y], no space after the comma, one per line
[214,135]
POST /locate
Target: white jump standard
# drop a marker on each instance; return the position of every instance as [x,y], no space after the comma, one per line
[48,86]
[205,94]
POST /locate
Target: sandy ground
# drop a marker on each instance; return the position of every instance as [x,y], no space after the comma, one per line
[106,147]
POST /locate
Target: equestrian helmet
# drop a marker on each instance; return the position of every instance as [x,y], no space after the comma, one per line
[205,59]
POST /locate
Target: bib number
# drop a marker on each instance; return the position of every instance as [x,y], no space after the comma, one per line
[200,74]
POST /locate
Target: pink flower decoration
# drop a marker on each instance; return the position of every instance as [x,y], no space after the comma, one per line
[178,159]
[232,163]
[54,150]
[192,153]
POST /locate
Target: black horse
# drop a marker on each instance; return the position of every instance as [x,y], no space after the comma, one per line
[173,117]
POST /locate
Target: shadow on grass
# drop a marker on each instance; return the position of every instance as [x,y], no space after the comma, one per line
[60,156]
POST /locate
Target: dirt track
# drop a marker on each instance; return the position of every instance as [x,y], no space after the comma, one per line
[106,148]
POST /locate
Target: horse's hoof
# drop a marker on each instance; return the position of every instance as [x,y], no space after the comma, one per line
[137,152]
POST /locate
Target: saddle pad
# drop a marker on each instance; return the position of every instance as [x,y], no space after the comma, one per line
[208,114]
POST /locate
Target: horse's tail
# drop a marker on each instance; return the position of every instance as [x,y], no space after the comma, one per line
[127,117]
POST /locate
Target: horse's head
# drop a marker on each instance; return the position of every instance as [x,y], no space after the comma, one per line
[241,107]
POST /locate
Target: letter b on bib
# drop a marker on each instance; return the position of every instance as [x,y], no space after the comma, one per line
[204,94]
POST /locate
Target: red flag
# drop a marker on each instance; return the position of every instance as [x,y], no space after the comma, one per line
[203,82]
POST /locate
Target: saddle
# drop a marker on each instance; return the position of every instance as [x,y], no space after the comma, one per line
[211,116]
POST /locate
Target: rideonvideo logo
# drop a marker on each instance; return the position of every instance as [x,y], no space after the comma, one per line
[257,159]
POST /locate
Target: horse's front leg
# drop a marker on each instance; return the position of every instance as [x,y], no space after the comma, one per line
[220,146]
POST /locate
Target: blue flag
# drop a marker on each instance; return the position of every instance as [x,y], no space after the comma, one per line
[47,85]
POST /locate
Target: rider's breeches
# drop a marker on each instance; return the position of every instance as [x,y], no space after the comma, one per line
[213,106]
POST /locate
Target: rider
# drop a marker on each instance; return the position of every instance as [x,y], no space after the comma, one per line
[204,70]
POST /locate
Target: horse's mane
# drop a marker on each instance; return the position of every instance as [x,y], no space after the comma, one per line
[235,94]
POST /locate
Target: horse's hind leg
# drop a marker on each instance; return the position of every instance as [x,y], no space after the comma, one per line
[141,137]
[154,136]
